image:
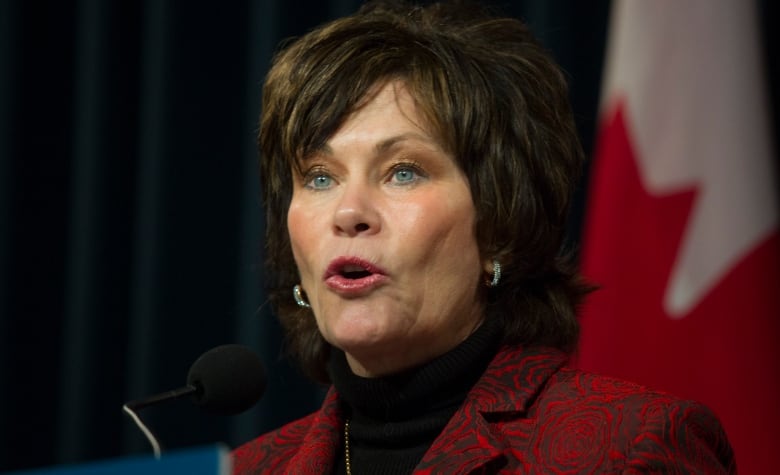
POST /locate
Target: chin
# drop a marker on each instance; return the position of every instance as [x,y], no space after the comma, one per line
[352,334]
[360,333]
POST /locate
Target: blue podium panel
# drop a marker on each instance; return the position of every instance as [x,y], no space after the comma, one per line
[212,460]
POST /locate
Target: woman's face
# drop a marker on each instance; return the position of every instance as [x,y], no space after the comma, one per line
[382,230]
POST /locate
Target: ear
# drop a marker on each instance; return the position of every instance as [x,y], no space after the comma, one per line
[487,266]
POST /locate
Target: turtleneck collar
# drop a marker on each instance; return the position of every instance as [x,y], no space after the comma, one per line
[440,384]
[395,419]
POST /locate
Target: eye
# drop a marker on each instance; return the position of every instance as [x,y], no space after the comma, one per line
[404,173]
[318,181]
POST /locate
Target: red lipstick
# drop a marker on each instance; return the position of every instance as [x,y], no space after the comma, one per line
[353,276]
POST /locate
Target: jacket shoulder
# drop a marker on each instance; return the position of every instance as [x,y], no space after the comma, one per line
[645,430]
[270,452]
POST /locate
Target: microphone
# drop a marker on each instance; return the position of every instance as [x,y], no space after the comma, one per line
[228,380]
[225,380]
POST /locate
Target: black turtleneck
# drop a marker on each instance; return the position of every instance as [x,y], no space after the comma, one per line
[395,419]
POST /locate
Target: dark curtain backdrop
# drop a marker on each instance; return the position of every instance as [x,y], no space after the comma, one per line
[131,232]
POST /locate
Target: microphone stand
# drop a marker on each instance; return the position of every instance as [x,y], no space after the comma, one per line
[131,407]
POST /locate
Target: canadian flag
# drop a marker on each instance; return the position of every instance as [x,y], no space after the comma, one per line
[681,232]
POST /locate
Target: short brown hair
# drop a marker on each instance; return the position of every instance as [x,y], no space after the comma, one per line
[496,101]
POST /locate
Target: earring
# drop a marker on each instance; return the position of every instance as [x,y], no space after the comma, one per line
[496,274]
[298,296]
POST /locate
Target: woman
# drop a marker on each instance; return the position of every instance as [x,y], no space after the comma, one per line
[418,165]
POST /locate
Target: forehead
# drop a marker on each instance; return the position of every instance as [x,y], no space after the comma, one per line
[389,110]
[387,115]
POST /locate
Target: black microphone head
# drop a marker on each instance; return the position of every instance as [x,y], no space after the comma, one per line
[229,379]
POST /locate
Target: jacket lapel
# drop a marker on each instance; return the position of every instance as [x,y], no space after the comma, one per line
[507,389]
[319,446]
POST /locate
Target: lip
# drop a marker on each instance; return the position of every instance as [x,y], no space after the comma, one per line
[345,286]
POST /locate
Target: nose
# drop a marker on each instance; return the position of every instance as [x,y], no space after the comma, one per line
[356,213]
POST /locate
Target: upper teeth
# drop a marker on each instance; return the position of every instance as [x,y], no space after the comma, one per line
[353,268]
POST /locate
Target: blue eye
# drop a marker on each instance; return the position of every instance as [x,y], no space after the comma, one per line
[404,175]
[319,182]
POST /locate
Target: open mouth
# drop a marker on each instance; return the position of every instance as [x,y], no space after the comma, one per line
[353,276]
[354,272]
[352,268]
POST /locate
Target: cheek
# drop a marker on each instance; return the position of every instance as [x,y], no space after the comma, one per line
[440,228]
[301,234]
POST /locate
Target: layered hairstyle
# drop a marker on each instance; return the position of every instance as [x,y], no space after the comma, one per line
[494,99]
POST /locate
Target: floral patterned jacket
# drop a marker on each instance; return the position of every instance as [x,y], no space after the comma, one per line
[528,414]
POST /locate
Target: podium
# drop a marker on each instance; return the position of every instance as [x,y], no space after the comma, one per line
[211,460]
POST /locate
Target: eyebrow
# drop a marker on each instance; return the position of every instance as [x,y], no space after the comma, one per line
[383,146]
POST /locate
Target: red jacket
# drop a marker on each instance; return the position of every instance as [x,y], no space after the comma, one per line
[528,414]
